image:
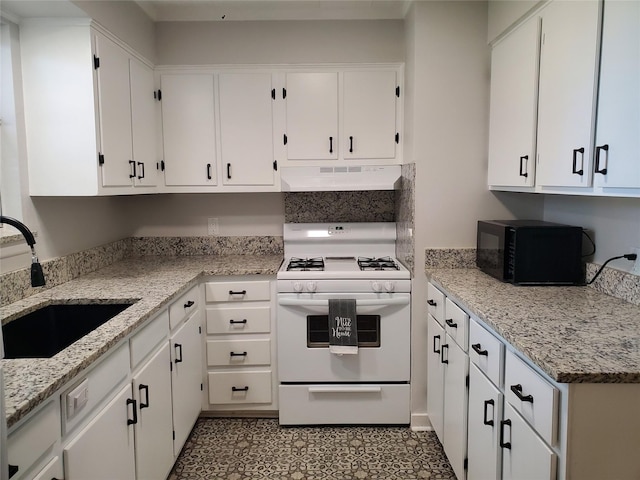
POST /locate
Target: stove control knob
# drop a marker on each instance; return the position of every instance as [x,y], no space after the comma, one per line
[389,286]
[297,287]
[376,286]
[311,286]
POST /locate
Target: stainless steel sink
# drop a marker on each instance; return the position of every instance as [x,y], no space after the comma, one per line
[48,330]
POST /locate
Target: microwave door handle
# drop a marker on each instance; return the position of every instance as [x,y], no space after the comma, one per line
[301,302]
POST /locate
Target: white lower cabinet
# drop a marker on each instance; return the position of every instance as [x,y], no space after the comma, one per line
[435,377]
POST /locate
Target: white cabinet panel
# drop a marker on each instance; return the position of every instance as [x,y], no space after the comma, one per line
[435,303]
[487,352]
[143,124]
[240,387]
[456,323]
[238,319]
[188,129]
[435,377]
[234,353]
[248,291]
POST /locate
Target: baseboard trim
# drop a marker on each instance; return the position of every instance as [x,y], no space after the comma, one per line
[241,414]
[420,422]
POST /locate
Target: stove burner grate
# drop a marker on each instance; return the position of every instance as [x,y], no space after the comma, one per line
[306,264]
[383,263]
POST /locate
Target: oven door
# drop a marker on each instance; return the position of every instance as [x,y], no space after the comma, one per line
[384,334]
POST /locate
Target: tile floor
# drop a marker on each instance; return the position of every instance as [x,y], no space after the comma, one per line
[255,449]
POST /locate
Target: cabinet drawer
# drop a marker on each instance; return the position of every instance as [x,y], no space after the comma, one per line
[30,441]
[238,320]
[532,396]
[456,323]
[240,387]
[183,306]
[435,303]
[486,351]
[238,352]
[237,291]
[146,340]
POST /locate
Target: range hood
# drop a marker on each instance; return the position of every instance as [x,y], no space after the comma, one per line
[340,179]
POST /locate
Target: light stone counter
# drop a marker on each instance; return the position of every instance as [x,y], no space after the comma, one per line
[574,334]
[151,282]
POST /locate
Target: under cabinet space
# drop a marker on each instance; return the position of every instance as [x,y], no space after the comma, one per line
[240,387]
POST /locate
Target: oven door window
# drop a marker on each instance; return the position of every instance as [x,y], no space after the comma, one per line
[318,331]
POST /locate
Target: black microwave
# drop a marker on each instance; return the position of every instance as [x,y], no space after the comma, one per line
[530,252]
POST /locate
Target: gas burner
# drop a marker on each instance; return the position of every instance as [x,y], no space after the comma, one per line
[383,263]
[306,264]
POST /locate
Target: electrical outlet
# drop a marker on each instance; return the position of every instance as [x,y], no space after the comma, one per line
[212,226]
[636,266]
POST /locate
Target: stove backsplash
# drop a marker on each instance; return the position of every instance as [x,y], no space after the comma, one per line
[322,207]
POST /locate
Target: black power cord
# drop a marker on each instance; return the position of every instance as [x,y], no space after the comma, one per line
[628,256]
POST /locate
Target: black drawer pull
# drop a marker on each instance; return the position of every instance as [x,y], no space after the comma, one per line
[189,304]
[575,161]
[240,389]
[602,171]
[477,348]
[228,170]
[484,417]
[432,303]
[517,389]
[350,144]
[434,343]
[178,346]
[504,444]
[442,360]
[13,469]
[132,174]
[146,390]
[233,322]
[208,171]
[131,401]
[523,173]
[243,292]
[330,144]
[451,323]
[234,354]
[141,169]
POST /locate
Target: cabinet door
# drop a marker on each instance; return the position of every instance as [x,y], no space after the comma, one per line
[524,455]
[369,115]
[312,116]
[246,129]
[512,123]
[619,98]
[568,63]
[153,432]
[104,449]
[485,413]
[435,377]
[188,129]
[143,117]
[455,404]
[186,379]
[115,113]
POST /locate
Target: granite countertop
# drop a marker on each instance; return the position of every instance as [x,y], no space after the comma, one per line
[574,334]
[151,282]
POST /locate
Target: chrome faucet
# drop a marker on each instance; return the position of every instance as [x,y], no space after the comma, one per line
[37,276]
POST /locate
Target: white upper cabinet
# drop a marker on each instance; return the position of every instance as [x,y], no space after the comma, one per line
[617,149]
[567,92]
[369,126]
[312,115]
[188,129]
[514,89]
[246,128]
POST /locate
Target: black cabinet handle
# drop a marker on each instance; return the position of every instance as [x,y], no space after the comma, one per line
[141,169]
[178,347]
[442,360]
[451,323]
[477,348]
[350,144]
[228,170]
[517,390]
[434,343]
[208,171]
[504,444]
[523,173]
[13,469]
[233,322]
[484,416]
[234,354]
[132,174]
[131,401]
[602,171]
[144,404]
[189,304]
[575,161]
[243,292]
[330,144]
[432,303]
[240,389]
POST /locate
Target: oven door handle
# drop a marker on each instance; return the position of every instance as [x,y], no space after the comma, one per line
[350,389]
[301,302]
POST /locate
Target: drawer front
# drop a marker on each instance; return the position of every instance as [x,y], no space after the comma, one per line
[435,303]
[456,323]
[486,352]
[145,341]
[183,306]
[344,404]
[30,441]
[237,291]
[238,320]
[238,352]
[532,396]
[240,387]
